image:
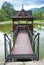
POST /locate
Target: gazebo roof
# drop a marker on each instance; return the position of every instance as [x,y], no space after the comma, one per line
[18,15]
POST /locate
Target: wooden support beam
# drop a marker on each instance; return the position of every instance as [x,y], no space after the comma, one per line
[21,57]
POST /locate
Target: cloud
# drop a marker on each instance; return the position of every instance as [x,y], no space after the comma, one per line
[32,6]
[2,1]
[28,4]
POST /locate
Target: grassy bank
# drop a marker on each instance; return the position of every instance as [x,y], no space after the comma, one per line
[6,28]
[24,22]
[38,20]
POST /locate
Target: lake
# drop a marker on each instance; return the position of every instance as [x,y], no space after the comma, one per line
[8,28]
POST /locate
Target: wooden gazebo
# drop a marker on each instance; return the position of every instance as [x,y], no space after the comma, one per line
[24,47]
[23,16]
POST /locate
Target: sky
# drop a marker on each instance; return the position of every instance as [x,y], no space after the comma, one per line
[27,4]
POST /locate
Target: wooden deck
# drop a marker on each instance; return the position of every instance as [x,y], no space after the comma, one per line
[22,50]
[22,44]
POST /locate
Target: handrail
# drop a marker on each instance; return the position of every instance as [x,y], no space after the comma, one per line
[6,36]
[30,35]
[15,35]
[37,49]
[36,36]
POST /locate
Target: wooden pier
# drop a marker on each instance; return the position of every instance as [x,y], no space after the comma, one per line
[22,44]
[25,46]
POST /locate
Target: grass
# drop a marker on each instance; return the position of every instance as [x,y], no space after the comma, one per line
[6,28]
[38,20]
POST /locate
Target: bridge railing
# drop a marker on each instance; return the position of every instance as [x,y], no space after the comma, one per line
[34,38]
[15,33]
[7,44]
[36,45]
[30,36]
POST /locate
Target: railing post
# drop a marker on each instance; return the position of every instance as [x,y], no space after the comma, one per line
[10,47]
[38,46]
[34,46]
[5,45]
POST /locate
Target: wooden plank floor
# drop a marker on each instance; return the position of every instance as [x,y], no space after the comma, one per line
[22,44]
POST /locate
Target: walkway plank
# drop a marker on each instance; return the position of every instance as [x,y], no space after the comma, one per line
[22,44]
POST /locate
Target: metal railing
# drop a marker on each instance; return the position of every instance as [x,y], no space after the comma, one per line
[33,38]
[15,33]
[7,43]
[30,36]
[36,45]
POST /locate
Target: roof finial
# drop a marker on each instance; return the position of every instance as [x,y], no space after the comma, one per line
[22,5]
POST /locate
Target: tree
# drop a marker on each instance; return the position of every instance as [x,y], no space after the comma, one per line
[39,15]
[8,9]
[2,15]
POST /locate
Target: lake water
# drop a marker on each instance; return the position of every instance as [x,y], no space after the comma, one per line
[41,44]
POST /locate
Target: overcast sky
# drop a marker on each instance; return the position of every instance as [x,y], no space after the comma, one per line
[27,4]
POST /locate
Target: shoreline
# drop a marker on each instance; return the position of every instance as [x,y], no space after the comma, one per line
[10,22]
[40,62]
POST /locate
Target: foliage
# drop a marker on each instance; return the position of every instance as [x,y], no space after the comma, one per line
[39,15]
[8,8]
[6,11]
[2,15]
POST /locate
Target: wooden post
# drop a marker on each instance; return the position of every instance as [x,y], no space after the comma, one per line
[5,45]
[13,32]
[13,24]
[32,26]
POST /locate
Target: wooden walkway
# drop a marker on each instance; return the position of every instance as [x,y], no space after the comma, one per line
[22,44]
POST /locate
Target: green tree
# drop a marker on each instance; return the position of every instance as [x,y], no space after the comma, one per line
[2,15]
[39,15]
[8,9]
